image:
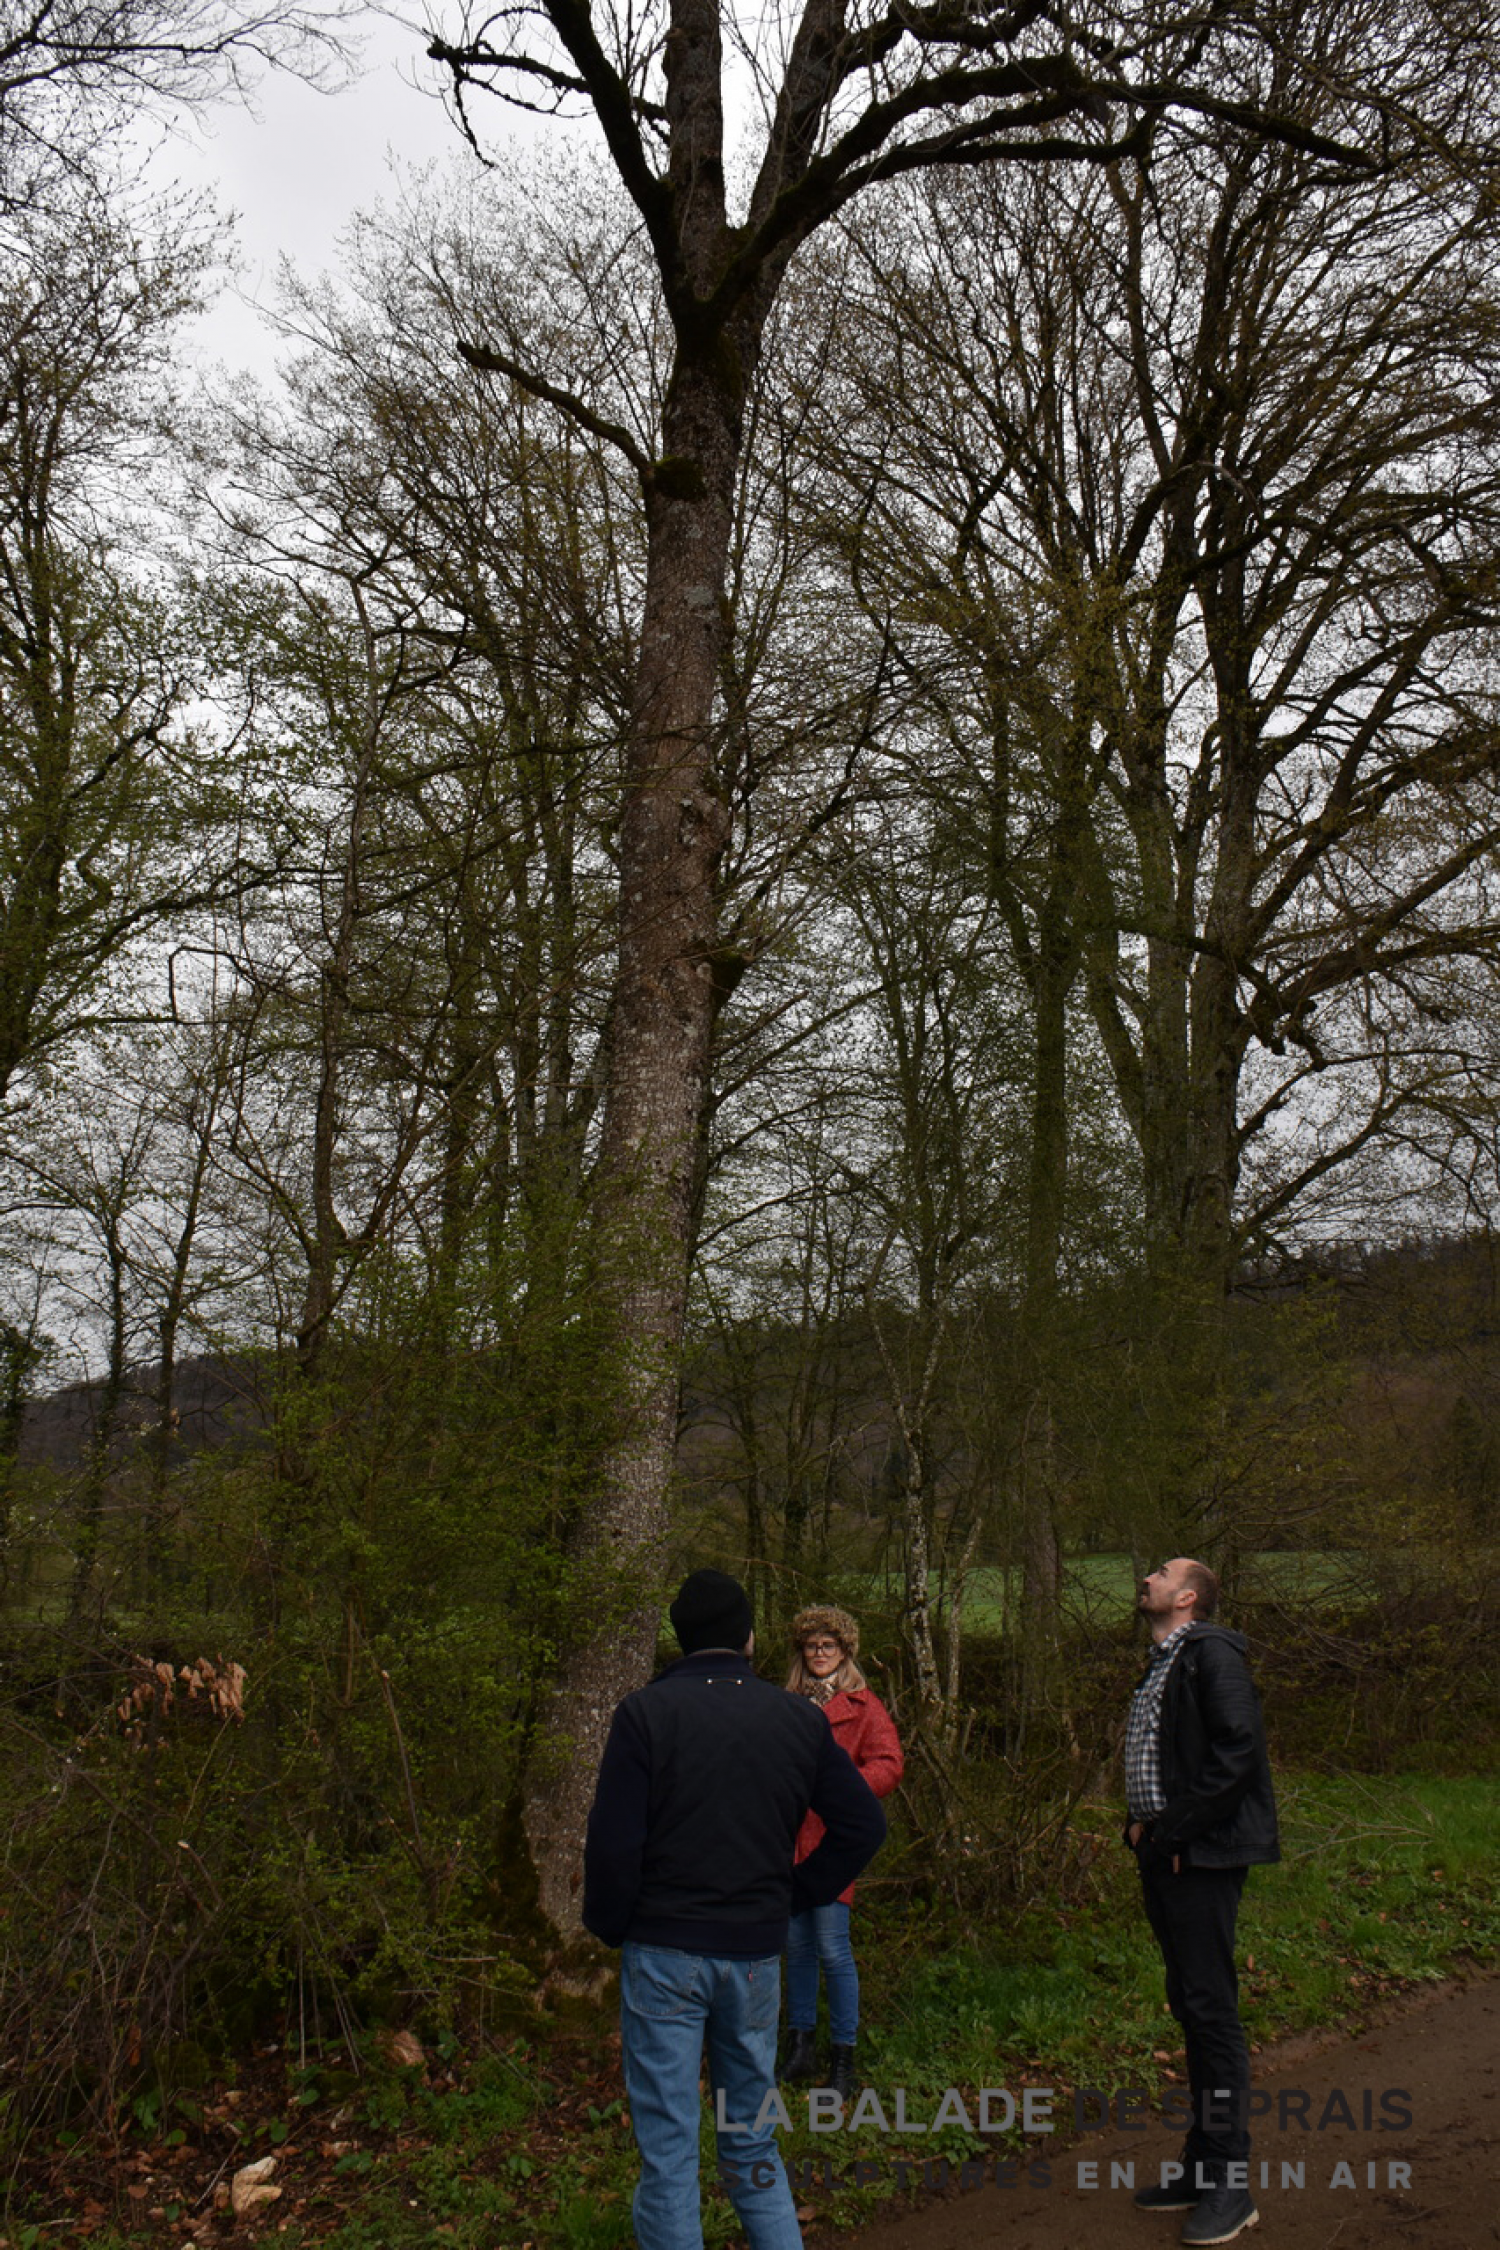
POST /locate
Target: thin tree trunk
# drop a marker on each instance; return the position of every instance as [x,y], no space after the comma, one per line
[99,1459]
[18,1356]
[1056,963]
[917,1553]
[164,1435]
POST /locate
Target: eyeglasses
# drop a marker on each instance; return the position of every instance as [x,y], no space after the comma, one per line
[820,1648]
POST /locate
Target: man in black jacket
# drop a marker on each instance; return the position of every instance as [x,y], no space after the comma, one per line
[706,1778]
[1201,1812]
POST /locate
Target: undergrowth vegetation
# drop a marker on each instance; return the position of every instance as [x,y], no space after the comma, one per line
[195,1863]
[482,2137]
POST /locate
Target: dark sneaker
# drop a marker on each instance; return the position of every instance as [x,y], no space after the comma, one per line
[1221,2214]
[1181,2195]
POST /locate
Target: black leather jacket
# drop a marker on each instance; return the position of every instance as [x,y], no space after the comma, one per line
[1220,1809]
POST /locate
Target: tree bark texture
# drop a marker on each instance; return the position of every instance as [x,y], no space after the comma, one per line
[673,832]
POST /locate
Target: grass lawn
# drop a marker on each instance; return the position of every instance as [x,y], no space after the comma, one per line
[1382,1884]
[1100,1589]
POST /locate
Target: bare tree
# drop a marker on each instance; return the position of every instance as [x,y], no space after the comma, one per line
[1177,491]
[107,795]
[476,551]
[847,99]
[72,71]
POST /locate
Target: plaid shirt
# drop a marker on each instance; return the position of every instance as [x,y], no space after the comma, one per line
[1143,1790]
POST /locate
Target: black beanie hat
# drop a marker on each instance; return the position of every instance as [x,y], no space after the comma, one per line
[712,1610]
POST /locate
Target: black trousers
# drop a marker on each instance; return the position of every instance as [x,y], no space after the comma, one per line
[1193,1915]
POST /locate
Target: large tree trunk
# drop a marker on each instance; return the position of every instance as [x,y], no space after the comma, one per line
[672,837]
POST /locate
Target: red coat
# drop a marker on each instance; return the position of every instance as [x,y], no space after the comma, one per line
[861,1725]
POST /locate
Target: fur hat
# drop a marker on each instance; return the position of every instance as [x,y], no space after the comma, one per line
[836,1623]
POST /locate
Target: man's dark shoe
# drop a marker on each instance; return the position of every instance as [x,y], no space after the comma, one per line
[841,2072]
[1180,2195]
[1221,2214]
[801,2065]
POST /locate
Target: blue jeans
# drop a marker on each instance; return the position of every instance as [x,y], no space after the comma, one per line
[821,1937]
[670,2002]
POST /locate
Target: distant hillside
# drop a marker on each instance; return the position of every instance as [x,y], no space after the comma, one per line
[215,1400]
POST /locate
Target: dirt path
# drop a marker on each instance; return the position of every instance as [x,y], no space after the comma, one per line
[1443,2052]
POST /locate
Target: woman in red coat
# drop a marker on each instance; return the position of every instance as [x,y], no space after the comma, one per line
[825,1643]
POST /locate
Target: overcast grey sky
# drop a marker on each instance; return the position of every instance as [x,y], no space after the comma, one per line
[296,168]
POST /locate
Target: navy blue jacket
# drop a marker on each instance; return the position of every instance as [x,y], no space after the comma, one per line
[706,1778]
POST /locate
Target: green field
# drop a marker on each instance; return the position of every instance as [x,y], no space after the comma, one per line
[1098,1590]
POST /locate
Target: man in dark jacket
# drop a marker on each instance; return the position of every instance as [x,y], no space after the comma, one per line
[706,1778]
[1201,1812]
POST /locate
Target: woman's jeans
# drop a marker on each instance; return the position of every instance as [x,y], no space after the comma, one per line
[821,1936]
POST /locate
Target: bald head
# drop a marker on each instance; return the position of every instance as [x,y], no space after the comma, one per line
[1180,1592]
